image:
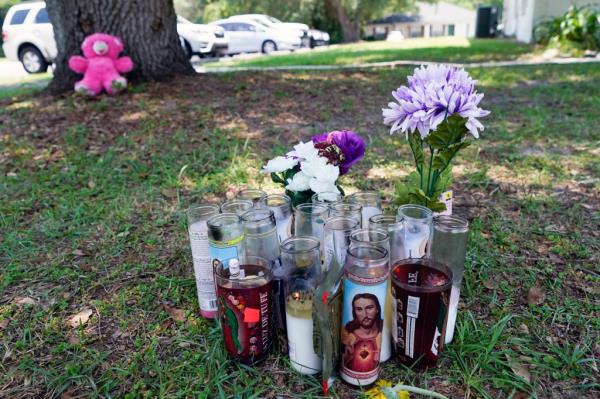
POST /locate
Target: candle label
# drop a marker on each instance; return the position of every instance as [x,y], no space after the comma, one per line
[362,327]
[246,316]
[224,251]
[446,197]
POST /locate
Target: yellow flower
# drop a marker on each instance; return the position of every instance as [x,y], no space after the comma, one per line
[377,393]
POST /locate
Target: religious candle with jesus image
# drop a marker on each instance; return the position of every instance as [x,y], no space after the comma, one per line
[244,298]
[365,289]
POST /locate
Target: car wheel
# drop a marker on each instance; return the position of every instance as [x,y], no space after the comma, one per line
[268,46]
[32,59]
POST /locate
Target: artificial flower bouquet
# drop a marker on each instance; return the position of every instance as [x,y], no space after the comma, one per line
[315,166]
[436,111]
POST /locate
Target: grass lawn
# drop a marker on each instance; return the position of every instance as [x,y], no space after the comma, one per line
[97,295]
[19,83]
[435,49]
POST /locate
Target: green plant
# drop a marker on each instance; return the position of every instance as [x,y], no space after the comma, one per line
[579,27]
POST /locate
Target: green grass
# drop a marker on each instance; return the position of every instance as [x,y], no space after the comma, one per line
[435,49]
[92,200]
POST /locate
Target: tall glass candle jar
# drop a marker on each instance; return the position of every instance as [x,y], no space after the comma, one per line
[381,239]
[449,246]
[281,205]
[309,220]
[261,234]
[417,223]
[346,209]
[237,206]
[370,202]
[252,194]
[420,293]
[336,239]
[244,296]
[365,289]
[301,256]
[326,198]
[225,238]
[395,230]
[203,270]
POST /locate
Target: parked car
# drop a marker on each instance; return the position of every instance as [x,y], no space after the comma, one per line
[29,37]
[309,37]
[251,37]
[202,40]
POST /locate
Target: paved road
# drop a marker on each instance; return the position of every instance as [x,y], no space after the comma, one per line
[11,70]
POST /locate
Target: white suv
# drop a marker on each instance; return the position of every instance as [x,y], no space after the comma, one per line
[28,36]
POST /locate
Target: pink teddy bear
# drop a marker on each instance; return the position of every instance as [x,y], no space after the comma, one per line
[101,67]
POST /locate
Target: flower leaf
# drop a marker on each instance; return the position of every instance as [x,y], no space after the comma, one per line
[442,160]
[277,179]
[414,140]
[449,132]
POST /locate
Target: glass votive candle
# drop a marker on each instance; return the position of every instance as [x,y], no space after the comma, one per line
[301,256]
[310,219]
[197,216]
[417,223]
[251,194]
[346,209]
[326,198]
[237,206]
[420,294]
[281,205]
[449,246]
[370,202]
[245,307]
[395,230]
[336,239]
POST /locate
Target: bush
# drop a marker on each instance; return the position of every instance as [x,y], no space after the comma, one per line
[578,29]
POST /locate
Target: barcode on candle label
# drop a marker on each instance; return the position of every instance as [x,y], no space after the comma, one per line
[412,313]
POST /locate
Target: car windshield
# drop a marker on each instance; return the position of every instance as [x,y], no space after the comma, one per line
[273,19]
[181,20]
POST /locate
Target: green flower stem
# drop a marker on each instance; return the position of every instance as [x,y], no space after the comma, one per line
[428,191]
[391,392]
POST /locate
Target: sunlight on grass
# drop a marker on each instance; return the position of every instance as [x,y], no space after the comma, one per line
[449,49]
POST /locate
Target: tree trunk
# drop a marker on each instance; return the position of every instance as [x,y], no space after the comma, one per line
[148,29]
[350,29]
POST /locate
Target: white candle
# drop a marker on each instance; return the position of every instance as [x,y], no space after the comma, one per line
[298,315]
[367,212]
[452,312]
[386,341]
[416,236]
[203,270]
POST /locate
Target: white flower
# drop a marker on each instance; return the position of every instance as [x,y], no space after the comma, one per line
[323,186]
[304,150]
[299,182]
[311,167]
[328,173]
[280,164]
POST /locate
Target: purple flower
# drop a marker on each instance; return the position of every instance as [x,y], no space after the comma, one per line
[435,92]
[350,143]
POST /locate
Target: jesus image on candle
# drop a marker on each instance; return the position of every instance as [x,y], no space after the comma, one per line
[361,336]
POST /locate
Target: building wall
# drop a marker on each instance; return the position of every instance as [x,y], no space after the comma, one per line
[521,16]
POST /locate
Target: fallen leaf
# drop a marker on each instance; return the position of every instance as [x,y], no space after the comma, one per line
[520,370]
[536,296]
[175,313]
[73,340]
[523,328]
[78,252]
[3,324]
[169,193]
[521,395]
[80,318]
[91,184]
[489,284]
[25,300]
